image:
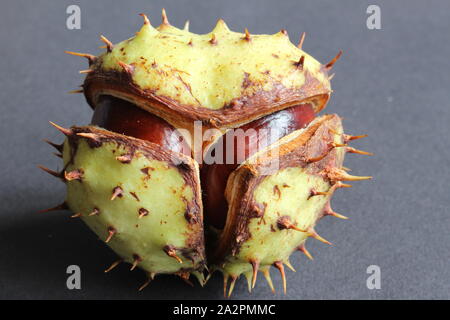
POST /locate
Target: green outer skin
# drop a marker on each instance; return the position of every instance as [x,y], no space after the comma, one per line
[194,70]
[164,193]
[268,246]
[267,243]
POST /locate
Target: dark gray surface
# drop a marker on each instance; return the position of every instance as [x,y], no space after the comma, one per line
[392,84]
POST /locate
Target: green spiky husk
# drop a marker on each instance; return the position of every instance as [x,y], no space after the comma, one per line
[156,213]
[145,201]
[274,206]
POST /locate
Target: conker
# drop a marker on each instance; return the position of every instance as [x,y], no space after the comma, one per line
[128,119]
[124,117]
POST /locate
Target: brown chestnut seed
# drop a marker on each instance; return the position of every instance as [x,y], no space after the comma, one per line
[126,118]
[266,131]
[123,117]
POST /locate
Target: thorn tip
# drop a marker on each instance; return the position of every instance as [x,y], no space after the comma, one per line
[233,281]
[67,132]
[146,20]
[354,150]
[255,267]
[128,68]
[113,265]
[164,18]
[284,222]
[300,63]
[51,172]
[111,232]
[303,249]
[336,174]
[117,192]
[313,234]
[186,26]
[247,36]
[280,267]
[109,44]
[266,273]
[62,206]
[302,39]
[330,64]
[91,58]
[172,252]
[58,147]
[213,39]
[136,260]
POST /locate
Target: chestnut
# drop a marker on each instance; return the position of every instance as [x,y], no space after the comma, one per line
[146,198]
[124,117]
[263,132]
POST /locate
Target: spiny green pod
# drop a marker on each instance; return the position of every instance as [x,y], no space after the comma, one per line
[136,175]
[274,208]
[143,201]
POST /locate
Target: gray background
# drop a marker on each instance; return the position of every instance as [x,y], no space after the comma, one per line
[392,84]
